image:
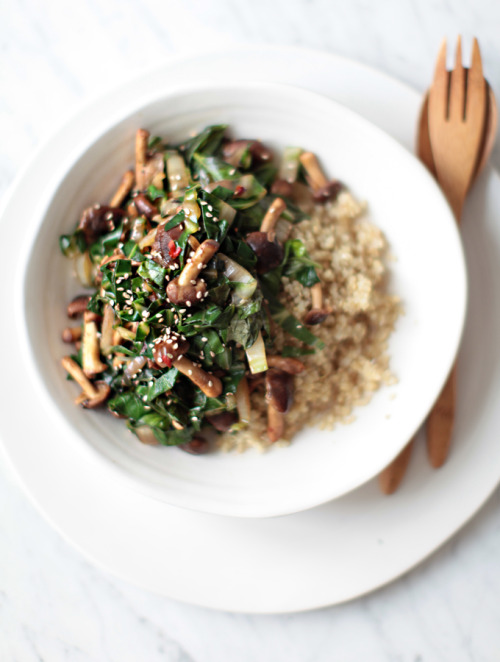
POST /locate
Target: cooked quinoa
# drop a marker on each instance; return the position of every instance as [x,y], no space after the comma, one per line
[354,363]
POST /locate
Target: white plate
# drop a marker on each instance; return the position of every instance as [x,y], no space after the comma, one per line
[319,557]
[404,201]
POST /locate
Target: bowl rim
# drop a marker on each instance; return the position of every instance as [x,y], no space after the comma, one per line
[39,214]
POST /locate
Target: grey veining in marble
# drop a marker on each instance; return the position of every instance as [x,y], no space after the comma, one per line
[54,606]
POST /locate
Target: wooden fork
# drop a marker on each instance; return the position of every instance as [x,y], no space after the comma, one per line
[457,115]
[457,112]
[440,421]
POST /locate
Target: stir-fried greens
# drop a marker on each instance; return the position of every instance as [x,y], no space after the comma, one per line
[186,266]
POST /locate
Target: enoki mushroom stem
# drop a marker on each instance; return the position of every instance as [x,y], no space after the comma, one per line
[199,259]
[123,189]
[315,175]
[141,149]
[317,296]
[78,375]
[276,208]
[209,384]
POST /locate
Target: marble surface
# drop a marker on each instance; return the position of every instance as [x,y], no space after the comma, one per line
[55,606]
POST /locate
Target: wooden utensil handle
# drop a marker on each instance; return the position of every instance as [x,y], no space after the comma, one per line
[440,422]
[390,478]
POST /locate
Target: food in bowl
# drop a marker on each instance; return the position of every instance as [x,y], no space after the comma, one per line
[233,301]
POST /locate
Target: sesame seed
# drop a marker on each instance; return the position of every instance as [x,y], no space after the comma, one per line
[188,304]
[204,339]
[210,383]
[190,372]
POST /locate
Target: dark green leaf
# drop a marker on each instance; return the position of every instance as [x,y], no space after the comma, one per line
[162,384]
[206,142]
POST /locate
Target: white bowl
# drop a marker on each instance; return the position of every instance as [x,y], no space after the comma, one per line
[428,274]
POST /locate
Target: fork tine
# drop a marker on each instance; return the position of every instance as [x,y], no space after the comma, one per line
[438,97]
[475,103]
[457,87]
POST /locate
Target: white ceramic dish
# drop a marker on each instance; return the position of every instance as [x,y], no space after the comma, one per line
[316,558]
[404,201]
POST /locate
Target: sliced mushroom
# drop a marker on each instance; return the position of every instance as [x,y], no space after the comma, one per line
[186,294]
[123,189]
[107,331]
[263,243]
[244,153]
[164,248]
[224,421]
[145,206]
[193,242]
[209,384]
[328,192]
[153,171]
[71,334]
[103,392]
[286,363]
[98,220]
[90,316]
[282,187]
[275,424]
[318,312]
[202,255]
[197,446]
[77,306]
[167,351]
[188,287]
[91,361]
[269,253]
[323,190]
[242,397]
[134,366]
[279,389]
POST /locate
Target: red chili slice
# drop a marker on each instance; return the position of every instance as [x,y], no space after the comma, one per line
[173,250]
[238,191]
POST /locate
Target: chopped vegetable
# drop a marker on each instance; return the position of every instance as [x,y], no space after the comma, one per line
[187,262]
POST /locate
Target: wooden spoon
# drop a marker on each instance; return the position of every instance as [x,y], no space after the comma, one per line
[390,478]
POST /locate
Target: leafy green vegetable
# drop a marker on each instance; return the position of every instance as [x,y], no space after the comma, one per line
[164,383]
[152,271]
[206,143]
[227,328]
[298,265]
